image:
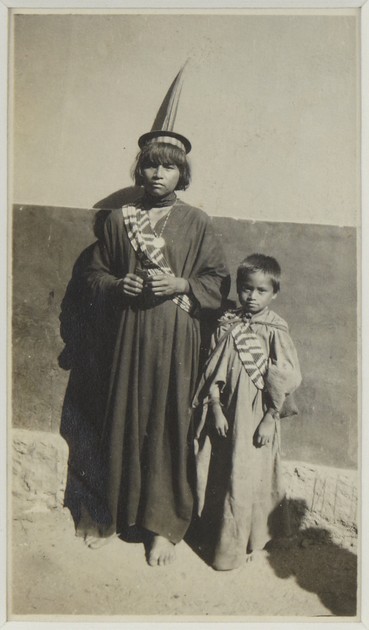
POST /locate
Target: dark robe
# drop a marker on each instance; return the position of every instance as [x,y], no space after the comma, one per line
[146,433]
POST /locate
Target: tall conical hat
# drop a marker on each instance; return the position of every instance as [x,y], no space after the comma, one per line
[162,129]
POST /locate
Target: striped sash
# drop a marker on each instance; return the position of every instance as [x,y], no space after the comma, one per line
[250,352]
[141,236]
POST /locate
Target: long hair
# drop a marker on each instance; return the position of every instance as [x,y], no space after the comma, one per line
[166,154]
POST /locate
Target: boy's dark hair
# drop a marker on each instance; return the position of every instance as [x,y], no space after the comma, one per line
[259,262]
[162,153]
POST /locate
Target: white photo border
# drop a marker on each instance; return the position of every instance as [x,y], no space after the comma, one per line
[5,281]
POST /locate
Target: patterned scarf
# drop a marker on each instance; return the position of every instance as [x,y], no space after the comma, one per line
[141,237]
[248,346]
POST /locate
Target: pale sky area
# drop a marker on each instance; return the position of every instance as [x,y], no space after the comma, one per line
[269,102]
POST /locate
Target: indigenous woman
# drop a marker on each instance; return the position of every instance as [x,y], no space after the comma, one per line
[158,265]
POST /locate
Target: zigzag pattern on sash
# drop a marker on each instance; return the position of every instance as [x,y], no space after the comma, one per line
[141,237]
[250,352]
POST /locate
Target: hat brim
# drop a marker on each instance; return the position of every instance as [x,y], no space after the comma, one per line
[171,137]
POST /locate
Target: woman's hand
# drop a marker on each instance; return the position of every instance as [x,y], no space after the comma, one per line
[162,285]
[132,285]
[219,420]
[265,431]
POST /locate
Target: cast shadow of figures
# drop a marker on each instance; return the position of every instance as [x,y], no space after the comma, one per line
[88,331]
[308,554]
[318,564]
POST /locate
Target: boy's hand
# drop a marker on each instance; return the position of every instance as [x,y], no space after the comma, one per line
[265,431]
[219,420]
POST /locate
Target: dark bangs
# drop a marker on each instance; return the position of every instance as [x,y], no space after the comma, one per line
[166,154]
[259,262]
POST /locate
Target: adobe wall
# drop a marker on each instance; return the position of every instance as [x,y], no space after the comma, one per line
[318,299]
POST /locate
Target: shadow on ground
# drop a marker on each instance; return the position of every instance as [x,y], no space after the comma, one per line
[308,554]
[316,562]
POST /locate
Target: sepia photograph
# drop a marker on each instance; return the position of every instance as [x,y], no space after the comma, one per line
[184,407]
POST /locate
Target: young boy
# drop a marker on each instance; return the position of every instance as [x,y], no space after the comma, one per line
[253,365]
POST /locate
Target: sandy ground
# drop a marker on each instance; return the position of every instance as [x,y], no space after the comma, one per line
[54,573]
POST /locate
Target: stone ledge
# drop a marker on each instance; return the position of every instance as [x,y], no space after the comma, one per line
[39,467]
[330,493]
[39,462]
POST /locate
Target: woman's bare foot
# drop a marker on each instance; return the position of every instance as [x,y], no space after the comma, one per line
[94,535]
[162,551]
[95,542]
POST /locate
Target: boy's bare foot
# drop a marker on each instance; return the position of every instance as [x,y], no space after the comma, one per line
[162,551]
[256,556]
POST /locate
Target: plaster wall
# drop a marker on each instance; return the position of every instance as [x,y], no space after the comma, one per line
[318,299]
[269,101]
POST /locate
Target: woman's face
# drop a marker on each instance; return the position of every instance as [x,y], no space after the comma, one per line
[160,180]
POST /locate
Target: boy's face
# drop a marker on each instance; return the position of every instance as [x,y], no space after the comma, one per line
[256,292]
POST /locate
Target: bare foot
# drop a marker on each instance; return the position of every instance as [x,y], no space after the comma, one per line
[95,542]
[162,551]
[94,535]
[256,556]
